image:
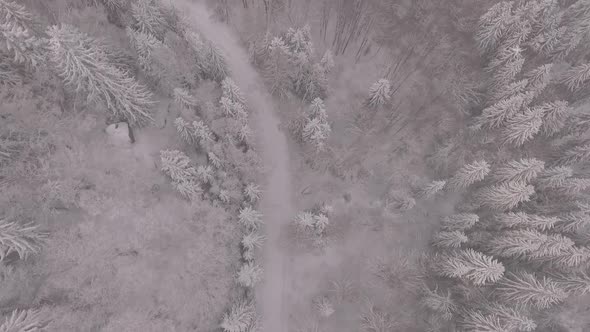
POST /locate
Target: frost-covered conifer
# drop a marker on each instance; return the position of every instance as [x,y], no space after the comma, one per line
[556,114]
[149,17]
[474,320]
[316,132]
[493,25]
[275,70]
[576,284]
[507,91]
[528,244]
[177,165]
[201,132]
[250,218]
[252,192]
[25,320]
[524,170]
[575,155]
[525,220]
[22,239]
[504,196]
[185,130]
[305,220]
[430,189]
[449,239]
[184,99]
[321,222]
[21,44]
[252,240]
[539,78]
[497,114]
[327,62]
[554,177]
[440,303]
[239,318]
[379,93]
[526,289]
[576,76]
[205,174]
[232,91]
[249,275]
[86,68]
[459,222]
[215,67]
[468,175]
[523,127]
[471,266]
[317,109]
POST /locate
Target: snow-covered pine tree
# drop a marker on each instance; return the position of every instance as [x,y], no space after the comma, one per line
[17,35]
[22,239]
[298,41]
[149,17]
[576,76]
[25,320]
[275,71]
[231,91]
[493,25]
[524,170]
[468,175]
[506,73]
[525,289]
[184,99]
[556,114]
[430,189]
[252,240]
[539,78]
[250,218]
[320,223]
[214,160]
[305,220]
[252,192]
[205,174]
[316,132]
[459,222]
[239,318]
[510,317]
[475,321]
[249,275]
[525,220]
[496,115]
[215,67]
[177,166]
[185,130]
[86,68]
[572,222]
[504,196]
[449,239]
[470,266]
[507,91]
[576,284]
[379,93]
[201,132]
[553,177]
[317,109]
[440,303]
[575,155]
[522,127]
[528,244]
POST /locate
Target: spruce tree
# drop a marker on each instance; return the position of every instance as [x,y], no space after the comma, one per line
[317,109]
[24,239]
[440,303]
[528,244]
[470,265]
[504,196]
[525,289]
[539,78]
[524,170]
[275,71]
[430,189]
[25,320]
[507,91]
[497,114]
[252,192]
[510,317]
[459,222]
[232,91]
[556,114]
[475,321]
[576,76]
[553,177]
[184,99]
[576,284]
[239,318]
[575,155]
[522,127]
[149,17]
[468,175]
[249,275]
[525,220]
[85,67]
[250,218]
[185,130]
[379,93]
[215,67]
[493,25]
[449,239]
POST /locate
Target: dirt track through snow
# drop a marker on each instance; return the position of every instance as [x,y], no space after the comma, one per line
[276,202]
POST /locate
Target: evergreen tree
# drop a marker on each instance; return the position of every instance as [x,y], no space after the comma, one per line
[507,91]
[572,222]
[524,170]
[553,177]
[468,175]
[525,220]
[430,189]
[493,25]
[232,91]
[205,174]
[576,284]
[511,318]
[449,239]
[250,218]
[575,155]
[201,132]
[476,321]
[86,68]
[25,321]
[327,62]
[523,126]
[185,130]
[459,222]
[497,114]
[379,93]
[576,76]
[470,265]
[524,289]
[22,239]
[556,114]
[239,318]
[276,69]
[320,223]
[504,196]
[252,192]
[316,132]
[528,244]
[149,17]
[184,99]
[506,73]
[253,240]
[215,67]
[18,35]
[317,109]
[214,160]
[249,275]
[539,78]
[440,303]
[305,220]
[177,166]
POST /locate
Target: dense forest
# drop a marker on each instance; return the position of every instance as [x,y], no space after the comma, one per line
[294,165]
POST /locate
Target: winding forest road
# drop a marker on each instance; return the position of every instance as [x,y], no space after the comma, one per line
[276,203]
